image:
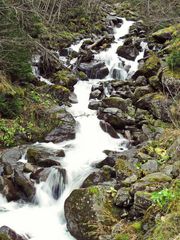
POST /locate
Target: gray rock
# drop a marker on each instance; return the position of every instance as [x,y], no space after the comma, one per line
[150,166]
[106,127]
[94,69]
[123,198]
[10,234]
[63,132]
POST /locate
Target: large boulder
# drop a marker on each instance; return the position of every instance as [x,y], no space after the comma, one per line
[90,213]
[129,50]
[94,69]
[65,78]
[157,104]
[106,127]
[7,233]
[165,34]
[12,155]
[24,186]
[149,68]
[65,131]
[60,93]
[116,117]
[151,182]
[99,177]
[43,157]
[115,102]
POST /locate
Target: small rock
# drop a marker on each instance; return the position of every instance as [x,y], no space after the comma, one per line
[123,198]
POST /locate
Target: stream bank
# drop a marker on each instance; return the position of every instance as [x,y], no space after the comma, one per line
[118,194]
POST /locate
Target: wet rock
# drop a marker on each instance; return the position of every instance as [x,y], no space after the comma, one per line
[115,102]
[94,69]
[85,56]
[123,198]
[129,50]
[63,132]
[8,170]
[116,117]
[114,20]
[7,233]
[157,104]
[150,166]
[96,94]
[24,185]
[29,168]
[149,68]
[94,104]
[106,127]
[42,157]
[73,98]
[12,155]
[90,213]
[110,161]
[1,183]
[99,177]
[9,190]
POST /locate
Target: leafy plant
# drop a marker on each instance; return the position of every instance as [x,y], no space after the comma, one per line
[163,197]
[173,60]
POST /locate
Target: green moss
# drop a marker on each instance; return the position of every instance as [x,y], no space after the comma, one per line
[173,29]
[122,236]
[65,78]
[167,228]
[151,63]
[4,237]
[94,190]
[137,226]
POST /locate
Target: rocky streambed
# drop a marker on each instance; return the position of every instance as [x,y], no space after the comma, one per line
[98,169]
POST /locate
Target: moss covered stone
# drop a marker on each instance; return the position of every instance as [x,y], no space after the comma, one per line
[90,213]
[150,67]
[65,78]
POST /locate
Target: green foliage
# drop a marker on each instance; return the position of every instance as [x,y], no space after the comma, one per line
[173,60]
[163,197]
[10,105]
[157,150]
[9,131]
[122,236]
[137,226]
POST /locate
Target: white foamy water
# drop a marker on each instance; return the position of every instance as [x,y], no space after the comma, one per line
[44,219]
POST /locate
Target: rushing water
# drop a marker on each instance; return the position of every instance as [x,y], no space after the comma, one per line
[44,219]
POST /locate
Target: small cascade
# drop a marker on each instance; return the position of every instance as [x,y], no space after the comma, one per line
[44,219]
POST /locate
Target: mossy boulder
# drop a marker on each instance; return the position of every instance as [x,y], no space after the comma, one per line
[90,213]
[142,201]
[141,91]
[165,34]
[99,177]
[171,81]
[149,68]
[151,182]
[115,102]
[7,233]
[124,169]
[43,157]
[60,93]
[157,104]
[65,78]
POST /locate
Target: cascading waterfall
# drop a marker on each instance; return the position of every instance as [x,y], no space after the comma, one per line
[44,219]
